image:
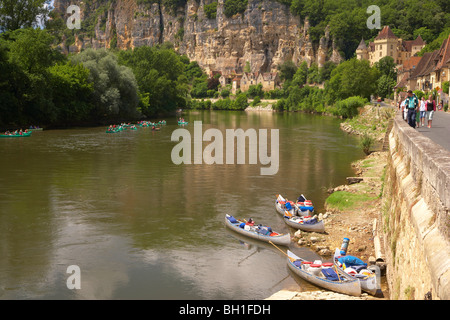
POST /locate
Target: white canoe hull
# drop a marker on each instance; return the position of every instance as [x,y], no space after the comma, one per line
[294,222]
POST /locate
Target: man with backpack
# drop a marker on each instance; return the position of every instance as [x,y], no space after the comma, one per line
[411,103]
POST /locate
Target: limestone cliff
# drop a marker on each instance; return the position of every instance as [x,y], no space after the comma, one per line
[266,34]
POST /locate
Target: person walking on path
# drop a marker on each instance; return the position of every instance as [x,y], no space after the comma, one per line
[423,111]
[412,104]
[431,108]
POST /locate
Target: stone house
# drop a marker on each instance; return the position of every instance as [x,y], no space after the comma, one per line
[249,79]
[269,80]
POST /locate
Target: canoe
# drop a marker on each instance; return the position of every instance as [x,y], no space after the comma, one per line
[280,206]
[113,131]
[302,268]
[304,207]
[35,129]
[304,210]
[367,279]
[257,231]
[24,134]
[299,223]
[182,122]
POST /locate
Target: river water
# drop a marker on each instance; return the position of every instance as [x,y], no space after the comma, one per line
[140,227]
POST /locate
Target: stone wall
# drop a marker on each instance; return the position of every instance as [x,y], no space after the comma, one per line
[415,215]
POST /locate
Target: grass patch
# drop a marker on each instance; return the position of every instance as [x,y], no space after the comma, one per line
[343,200]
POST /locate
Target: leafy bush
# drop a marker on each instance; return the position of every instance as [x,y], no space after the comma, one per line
[366,143]
[348,108]
[256,100]
[211,10]
[232,7]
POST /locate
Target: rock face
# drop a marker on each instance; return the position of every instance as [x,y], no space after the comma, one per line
[266,34]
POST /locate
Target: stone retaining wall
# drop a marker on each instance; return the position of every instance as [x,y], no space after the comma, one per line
[415,215]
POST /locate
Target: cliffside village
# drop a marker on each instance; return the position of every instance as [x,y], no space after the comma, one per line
[424,73]
[268,80]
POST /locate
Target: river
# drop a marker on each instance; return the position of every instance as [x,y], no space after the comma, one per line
[140,227]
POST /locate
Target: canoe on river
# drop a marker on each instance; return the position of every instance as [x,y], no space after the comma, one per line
[259,232]
[24,134]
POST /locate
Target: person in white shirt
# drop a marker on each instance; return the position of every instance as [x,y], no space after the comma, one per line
[404,110]
[423,111]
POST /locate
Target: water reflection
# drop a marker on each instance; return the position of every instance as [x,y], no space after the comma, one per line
[141,227]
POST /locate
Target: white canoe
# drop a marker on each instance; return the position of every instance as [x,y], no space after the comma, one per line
[281,239]
[299,223]
[368,282]
[347,286]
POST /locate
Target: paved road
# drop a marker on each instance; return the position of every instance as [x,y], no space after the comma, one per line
[440,129]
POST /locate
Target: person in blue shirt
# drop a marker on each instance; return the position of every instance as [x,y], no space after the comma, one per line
[412,103]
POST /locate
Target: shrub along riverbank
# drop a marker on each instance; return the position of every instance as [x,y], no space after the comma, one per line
[41,86]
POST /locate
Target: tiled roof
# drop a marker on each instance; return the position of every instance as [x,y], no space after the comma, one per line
[362,45]
[386,33]
[426,65]
[444,53]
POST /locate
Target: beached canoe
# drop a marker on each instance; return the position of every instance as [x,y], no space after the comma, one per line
[258,232]
[305,224]
[24,134]
[367,278]
[304,206]
[323,275]
[282,204]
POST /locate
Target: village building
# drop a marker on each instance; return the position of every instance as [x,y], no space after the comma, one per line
[236,84]
[430,72]
[249,79]
[268,80]
[386,43]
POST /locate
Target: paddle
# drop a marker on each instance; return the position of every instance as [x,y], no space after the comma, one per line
[290,258]
[337,272]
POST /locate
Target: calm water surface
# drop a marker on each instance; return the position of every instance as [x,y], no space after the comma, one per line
[141,227]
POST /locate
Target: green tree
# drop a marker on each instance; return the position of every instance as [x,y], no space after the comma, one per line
[287,70]
[211,10]
[350,78]
[385,86]
[115,90]
[16,14]
[158,73]
[386,66]
[301,75]
[71,91]
[232,7]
